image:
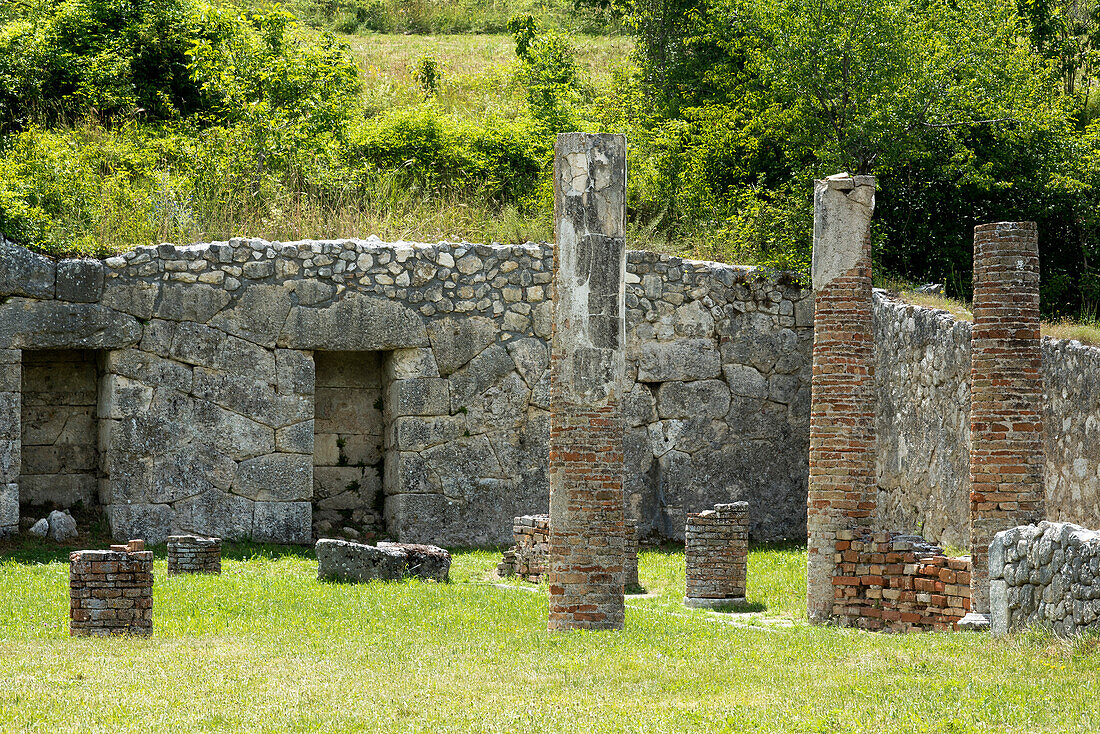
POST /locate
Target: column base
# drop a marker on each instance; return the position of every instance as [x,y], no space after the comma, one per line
[974,622]
[703,603]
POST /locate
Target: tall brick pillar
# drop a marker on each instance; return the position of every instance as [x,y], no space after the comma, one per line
[842,492]
[1006,393]
[10,446]
[587,369]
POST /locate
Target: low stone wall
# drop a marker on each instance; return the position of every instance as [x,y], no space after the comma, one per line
[192,554]
[1045,575]
[111,591]
[716,551]
[898,582]
[922,381]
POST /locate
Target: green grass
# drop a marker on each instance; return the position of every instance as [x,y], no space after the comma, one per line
[266,648]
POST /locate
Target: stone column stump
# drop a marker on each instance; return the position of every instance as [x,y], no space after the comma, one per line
[587,371]
[111,591]
[1006,389]
[716,550]
[194,554]
[842,491]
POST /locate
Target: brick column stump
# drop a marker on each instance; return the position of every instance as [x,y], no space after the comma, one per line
[716,551]
[111,591]
[842,491]
[1006,393]
[587,370]
[192,554]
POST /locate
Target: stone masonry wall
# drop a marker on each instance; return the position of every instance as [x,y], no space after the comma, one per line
[59,428]
[922,362]
[347,444]
[1045,575]
[207,398]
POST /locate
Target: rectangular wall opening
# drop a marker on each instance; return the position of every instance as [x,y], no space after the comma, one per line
[347,449]
[60,435]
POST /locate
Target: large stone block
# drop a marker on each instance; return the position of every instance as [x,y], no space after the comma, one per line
[709,398]
[258,316]
[194,302]
[28,324]
[340,560]
[80,281]
[354,324]
[283,522]
[414,433]
[424,396]
[276,478]
[136,299]
[682,360]
[9,508]
[427,562]
[23,273]
[484,371]
[151,523]
[457,340]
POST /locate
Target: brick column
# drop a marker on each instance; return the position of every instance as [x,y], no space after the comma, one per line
[716,551]
[10,439]
[587,369]
[1006,393]
[630,556]
[111,591]
[842,491]
[192,554]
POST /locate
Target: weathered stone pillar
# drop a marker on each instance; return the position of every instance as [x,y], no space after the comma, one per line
[1006,393]
[587,370]
[10,444]
[842,492]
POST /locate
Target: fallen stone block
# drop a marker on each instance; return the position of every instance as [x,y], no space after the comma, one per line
[341,560]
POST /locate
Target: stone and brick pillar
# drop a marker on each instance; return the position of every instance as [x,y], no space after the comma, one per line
[716,550]
[10,446]
[192,554]
[1006,393]
[842,491]
[588,365]
[111,591]
[630,555]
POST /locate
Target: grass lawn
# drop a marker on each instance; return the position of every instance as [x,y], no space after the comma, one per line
[266,648]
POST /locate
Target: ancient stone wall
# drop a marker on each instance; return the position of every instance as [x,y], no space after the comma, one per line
[60,433]
[1045,575]
[208,397]
[898,582]
[10,445]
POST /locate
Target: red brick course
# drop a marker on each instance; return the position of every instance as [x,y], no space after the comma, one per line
[716,551]
[111,591]
[1006,454]
[192,554]
[896,582]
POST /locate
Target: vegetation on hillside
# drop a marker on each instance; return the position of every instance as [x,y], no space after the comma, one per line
[129,121]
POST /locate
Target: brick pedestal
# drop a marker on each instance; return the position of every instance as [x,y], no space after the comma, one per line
[630,555]
[587,372]
[192,554]
[1006,388]
[716,550]
[111,591]
[527,558]
[842,491]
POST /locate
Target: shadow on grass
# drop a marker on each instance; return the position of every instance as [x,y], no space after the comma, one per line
[748,608]
[28,550]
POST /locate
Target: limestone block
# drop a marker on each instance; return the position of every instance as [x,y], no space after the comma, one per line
[457,340]
[326,449]
[745,381]
[258,400]
[258,316]
[312,292]
[149,369]
[683,360]
[196,344]
[243,357]
[235,435]
[295,372]
[692,399]
[414,433]
[341,560]
[11,373]
[639,406]
[136,299]
[276,478]
[62,526]
[406,472]
[407,364]
[152,523]
[24,273]
[783,388]
[59,489]
[79,281]
[217,513]
[363,449]
[354,324]
[283,522]
[194,302]
[333,481]
[483,371]
[9,508]
[27,324]
[531,358]
[424,396]
[461,463]
[297,438]
[428,562]
[542,319]
[157,337]
[188,471]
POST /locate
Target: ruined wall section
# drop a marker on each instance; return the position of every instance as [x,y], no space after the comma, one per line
[922,374]
[207,396]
